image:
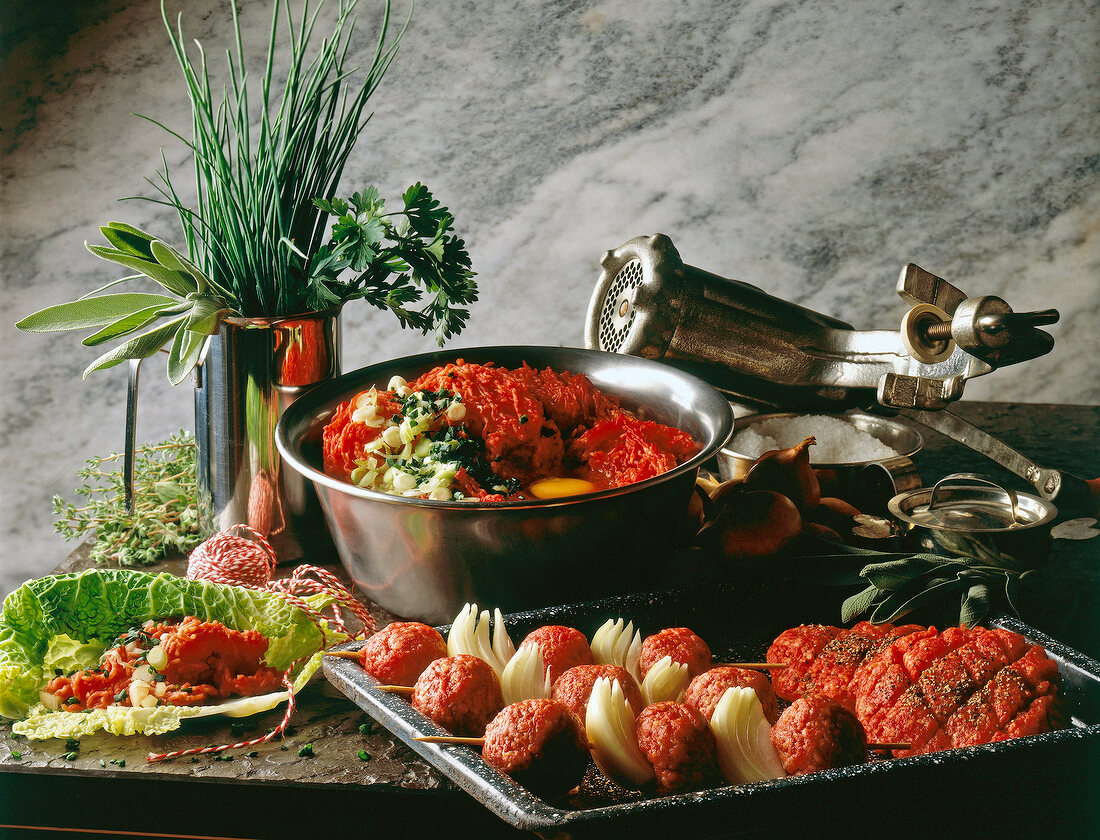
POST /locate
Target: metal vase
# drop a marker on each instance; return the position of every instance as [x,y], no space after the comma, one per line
[251,371]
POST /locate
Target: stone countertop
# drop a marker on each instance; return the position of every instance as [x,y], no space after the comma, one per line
[276,789]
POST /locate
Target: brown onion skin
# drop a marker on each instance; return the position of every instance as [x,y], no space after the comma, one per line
[754,524]
[788,472]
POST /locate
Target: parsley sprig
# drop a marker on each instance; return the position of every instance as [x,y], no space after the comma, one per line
[392,259]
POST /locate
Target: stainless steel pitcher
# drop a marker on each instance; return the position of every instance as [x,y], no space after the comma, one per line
[251,371]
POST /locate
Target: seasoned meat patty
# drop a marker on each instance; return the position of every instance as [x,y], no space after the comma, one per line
[539,744]
[707,689]
[681,644]
[679,744]
[399,652]
[461,693]
[927,688]
[816,733]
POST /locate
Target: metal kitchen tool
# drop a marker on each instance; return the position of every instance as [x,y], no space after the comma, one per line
[974,516]
[1070,492]
[766,352]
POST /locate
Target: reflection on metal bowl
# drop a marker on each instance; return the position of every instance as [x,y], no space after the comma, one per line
[867,484]
[424,559]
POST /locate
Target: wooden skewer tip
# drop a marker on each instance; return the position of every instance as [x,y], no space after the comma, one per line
[450,739]
[342,654]
[396,689]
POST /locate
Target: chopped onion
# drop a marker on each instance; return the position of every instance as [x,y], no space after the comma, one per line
[470,635]
[157,657]
[139,690]
[50,701]
[665,680]
[614,644]
[142,673]
[745,749]
[526,676]
[612,737]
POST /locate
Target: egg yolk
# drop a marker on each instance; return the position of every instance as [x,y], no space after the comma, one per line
[555,488]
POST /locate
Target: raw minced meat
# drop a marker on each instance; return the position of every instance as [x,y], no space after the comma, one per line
[680,745]
[179,664]
[399,652]
[470,431]
[460,693]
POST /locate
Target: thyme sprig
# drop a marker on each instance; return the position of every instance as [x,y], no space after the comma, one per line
[165,516]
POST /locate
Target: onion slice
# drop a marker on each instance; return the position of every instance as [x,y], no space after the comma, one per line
[526,676]
[745,749]
[614,644]
[469,634]
[665,680]
[612,737]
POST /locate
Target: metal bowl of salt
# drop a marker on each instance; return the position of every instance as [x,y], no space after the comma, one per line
[860,457]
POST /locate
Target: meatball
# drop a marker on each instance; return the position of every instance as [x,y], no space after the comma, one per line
[562,648]
[574,687]
[681,644]
[679,744]
[539,743]
[816,733]
[399,652]
[707,689]
[461,693]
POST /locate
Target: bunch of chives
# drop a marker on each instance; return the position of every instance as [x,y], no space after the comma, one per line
[252,193]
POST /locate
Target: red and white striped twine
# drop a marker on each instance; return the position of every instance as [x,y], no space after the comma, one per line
[249,561]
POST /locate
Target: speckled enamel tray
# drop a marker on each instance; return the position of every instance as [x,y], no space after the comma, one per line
[738,623]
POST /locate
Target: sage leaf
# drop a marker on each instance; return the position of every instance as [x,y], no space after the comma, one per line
[169,257]
[206,314]
[178,283]
[140,347]
[975,605]
[184,355]
[894,574]
[89,313]
[128,238]
[858,604]
[904,602]
[128,324]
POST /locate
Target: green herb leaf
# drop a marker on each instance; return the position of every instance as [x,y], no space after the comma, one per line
[178,283]
[141,347]
[94,312]
[975,605]
[129,324]
[855,605]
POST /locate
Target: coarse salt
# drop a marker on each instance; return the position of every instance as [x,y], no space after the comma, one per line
[838,441]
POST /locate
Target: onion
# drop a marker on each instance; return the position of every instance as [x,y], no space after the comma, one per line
[157,657]
[612,738]
[50,701]
[665,680]
[754,524]
[745,749]
[526,676]
[470,635]
[614,644]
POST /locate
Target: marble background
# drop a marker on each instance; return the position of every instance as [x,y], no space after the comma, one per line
[809,148]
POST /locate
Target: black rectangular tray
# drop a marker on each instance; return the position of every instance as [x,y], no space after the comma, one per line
[973,788]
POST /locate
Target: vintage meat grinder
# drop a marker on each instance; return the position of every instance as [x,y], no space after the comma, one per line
[768,353]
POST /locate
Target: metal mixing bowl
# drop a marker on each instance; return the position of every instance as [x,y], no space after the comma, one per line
[424,559]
